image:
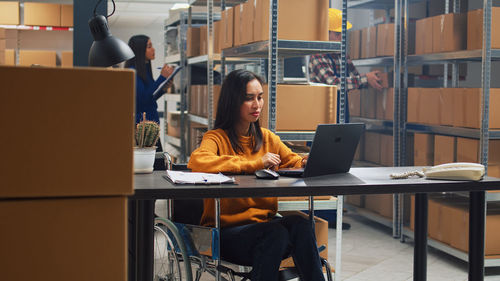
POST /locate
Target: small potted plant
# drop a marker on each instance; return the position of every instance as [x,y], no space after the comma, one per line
[146,135]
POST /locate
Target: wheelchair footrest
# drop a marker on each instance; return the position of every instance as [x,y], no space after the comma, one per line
[229,271]
[288,273]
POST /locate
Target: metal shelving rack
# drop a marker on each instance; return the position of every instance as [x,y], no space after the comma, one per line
[400,127]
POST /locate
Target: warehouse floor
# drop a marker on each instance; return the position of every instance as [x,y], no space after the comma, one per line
[370,253]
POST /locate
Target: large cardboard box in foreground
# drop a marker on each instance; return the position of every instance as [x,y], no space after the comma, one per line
[297,20]
[73,136]
[43,14]
[301,107]
[77,238]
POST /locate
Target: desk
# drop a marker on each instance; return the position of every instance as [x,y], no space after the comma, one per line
[374,180]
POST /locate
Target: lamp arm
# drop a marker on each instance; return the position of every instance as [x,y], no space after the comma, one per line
[98,2]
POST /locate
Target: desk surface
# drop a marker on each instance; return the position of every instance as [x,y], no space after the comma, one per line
[373,180]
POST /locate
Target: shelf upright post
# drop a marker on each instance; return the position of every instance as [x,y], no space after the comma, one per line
[272,63]
[184,23]
[342,119]
[477,199]
[445,66]
[454,66]
[222,58]
[210,63]
[400,100]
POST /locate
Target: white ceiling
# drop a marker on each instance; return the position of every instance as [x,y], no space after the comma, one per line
[140,14]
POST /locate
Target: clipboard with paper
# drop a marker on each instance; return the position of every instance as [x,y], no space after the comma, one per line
[180,177]
[159,91]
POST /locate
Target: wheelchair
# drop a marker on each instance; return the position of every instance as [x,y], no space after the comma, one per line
[182,247]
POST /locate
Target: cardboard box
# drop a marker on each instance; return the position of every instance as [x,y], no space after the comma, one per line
[424,149]
[475,29]
[428,109]
[2,57]
[85,238]
[413,105]
[197,132]
[3,44]
[354,38]
[9,12]
[385,39]
[321,231]
[386,150]
[43,14]
[43,58]
[227,21]
[445,148]
[203,40]
[297,20]
[356,200]
[203,100]
[174,124]
[246,26]
[372,147]
[67,59]
[66,15]
[369,42]
[355,102]
[71,155]
[385,205]
[439,224]
[446,100]
[193,41]
[459,218]
[449,33]
[368,103]
[237,29]
[467,150]
[10,57]
[423,36]
[319,107]
[472,105]
[385,104]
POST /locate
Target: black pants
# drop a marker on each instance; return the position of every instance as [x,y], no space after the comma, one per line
[264,245]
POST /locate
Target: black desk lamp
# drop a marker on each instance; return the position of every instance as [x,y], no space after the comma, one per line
[106,50]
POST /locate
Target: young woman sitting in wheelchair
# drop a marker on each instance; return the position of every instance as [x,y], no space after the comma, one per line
[251,234]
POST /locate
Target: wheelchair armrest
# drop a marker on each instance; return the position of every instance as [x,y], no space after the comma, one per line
[180,167]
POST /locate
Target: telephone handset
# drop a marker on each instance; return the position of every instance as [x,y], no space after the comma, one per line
[455,171]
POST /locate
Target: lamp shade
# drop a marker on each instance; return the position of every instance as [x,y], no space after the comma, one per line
[106,50]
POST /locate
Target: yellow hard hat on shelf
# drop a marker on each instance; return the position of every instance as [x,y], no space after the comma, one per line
[335,20]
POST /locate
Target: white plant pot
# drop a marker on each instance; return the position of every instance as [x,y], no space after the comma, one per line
[144,159]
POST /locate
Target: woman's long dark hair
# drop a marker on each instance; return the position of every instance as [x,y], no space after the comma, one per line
[138,44]
[232,95]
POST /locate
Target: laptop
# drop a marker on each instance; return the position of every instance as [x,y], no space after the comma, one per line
[332,151]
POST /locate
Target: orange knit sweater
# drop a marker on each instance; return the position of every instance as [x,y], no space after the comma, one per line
[215,154]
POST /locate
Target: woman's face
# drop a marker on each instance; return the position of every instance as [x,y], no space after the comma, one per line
[251,108]
[150,51]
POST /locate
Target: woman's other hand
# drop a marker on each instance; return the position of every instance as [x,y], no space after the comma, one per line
[271,160]
[166,71]
[374,80]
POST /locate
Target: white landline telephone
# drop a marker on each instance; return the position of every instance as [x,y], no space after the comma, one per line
[455,171]
[449,171]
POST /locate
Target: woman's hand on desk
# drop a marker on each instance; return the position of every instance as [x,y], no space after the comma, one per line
[304,160]
[270,160]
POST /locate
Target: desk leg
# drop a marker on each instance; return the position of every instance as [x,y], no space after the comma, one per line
[477,216]
[420,250]
[145,239]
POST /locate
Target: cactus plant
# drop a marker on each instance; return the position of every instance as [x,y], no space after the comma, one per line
[146,133]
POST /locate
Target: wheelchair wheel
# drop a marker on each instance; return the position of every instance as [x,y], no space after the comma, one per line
[171,262]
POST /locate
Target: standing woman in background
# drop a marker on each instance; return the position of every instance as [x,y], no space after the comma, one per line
[144,82]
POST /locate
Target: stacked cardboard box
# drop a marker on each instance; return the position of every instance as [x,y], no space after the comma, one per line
[9,12]
[3,44]
[82,207]
[37,57]
[449,222]
[475,29]
[442,33]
